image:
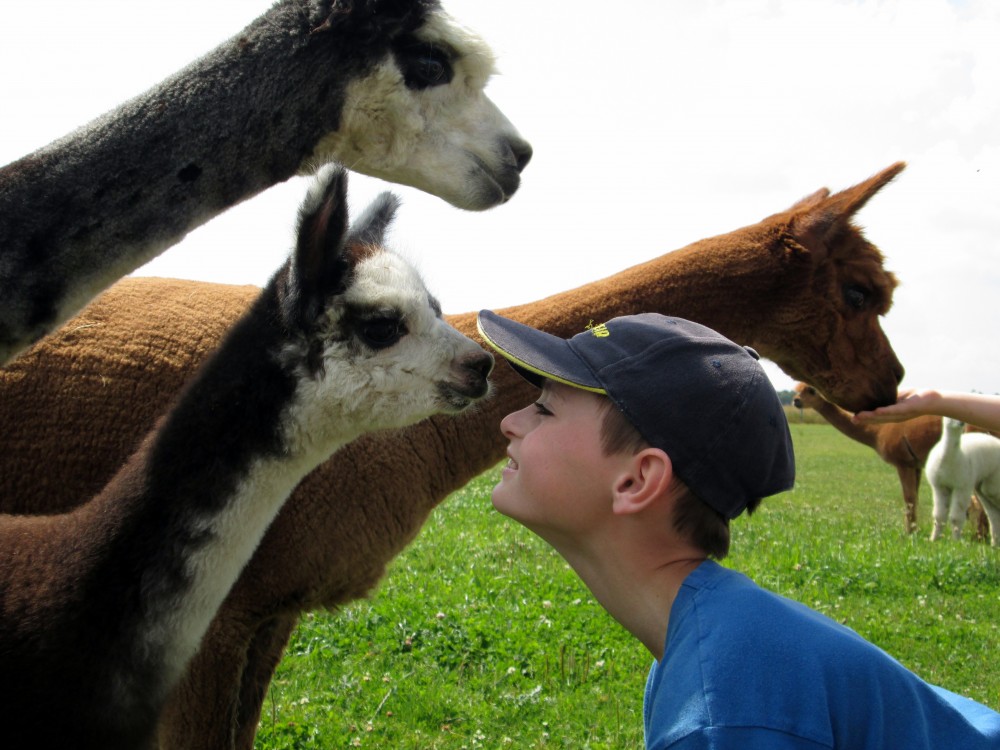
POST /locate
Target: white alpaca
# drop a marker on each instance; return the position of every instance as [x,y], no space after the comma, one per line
[961,464]
[102,608]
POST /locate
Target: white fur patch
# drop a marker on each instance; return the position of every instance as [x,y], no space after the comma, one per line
[446,140]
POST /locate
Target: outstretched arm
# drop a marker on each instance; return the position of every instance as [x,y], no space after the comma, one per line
[979,409]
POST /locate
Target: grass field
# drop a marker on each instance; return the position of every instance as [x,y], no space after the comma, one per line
[481,637]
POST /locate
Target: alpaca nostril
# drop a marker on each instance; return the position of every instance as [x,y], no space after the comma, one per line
[522,154]
[474,382]
[483,365]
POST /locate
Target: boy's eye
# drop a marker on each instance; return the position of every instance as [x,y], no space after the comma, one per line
[541,409]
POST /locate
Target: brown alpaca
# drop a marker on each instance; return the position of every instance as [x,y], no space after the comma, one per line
[802,286]
[102,607]
[904,445]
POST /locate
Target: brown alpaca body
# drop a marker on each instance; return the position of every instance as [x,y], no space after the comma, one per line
[788,286]
[902,445]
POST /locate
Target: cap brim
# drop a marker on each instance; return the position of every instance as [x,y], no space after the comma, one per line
[534,354]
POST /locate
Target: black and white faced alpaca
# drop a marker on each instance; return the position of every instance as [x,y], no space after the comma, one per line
[390,88]
[963,463]
[102,608]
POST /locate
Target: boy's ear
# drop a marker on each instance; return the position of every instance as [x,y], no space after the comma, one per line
[646,478]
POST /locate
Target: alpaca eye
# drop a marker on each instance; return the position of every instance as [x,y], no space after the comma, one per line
[381,333]
[425,66]
[430,70]
[855,296]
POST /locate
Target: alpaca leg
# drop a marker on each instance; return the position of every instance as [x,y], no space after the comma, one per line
[991,509]
[265,652]
[909,479]
[992,512]
[959,509]
[979,518]
[941,502]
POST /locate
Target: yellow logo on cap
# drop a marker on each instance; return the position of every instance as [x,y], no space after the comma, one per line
[600,331]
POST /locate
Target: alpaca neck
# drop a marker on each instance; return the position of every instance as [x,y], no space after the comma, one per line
[178,619]
[178,523]
[719,282]
[866,434]
[951,440]
[206,139]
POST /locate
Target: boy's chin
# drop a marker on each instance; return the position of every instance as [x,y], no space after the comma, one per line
[502,502]
[497,498]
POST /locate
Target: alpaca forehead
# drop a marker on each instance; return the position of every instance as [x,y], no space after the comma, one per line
[386,280]
[473,57]
[862,260]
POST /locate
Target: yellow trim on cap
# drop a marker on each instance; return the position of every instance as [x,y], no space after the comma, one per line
[525,366]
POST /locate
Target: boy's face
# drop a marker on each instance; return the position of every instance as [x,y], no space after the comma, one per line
[558,479]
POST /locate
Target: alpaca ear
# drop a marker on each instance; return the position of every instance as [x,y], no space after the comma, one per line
[321,266]
[819,222]
[368,230]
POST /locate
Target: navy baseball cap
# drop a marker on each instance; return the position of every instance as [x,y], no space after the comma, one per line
[702,399]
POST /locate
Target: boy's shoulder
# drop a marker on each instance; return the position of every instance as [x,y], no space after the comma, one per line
[734,614]
[738,655]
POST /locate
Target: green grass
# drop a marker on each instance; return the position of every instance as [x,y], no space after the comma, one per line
[481,637]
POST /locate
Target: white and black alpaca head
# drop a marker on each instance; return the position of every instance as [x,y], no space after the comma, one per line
[416,113]
[369,346]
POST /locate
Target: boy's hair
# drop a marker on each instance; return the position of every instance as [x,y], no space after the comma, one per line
[704,526]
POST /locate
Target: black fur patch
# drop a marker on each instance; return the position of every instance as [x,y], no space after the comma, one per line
[374,22]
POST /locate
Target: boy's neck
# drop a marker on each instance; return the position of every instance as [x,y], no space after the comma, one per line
[637,591]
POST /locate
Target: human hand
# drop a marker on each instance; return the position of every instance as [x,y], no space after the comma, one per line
[910,403]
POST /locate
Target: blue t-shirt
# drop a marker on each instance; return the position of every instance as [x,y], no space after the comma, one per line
[747,669]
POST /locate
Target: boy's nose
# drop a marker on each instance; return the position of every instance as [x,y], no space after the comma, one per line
[509,425]
[505,427]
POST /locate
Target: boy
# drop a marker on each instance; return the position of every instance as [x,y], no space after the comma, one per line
[652,433]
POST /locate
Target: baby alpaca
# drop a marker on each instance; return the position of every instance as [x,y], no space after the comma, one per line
[960,464]
[102,608]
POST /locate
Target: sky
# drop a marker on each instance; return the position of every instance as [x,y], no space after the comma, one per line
[654,124]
